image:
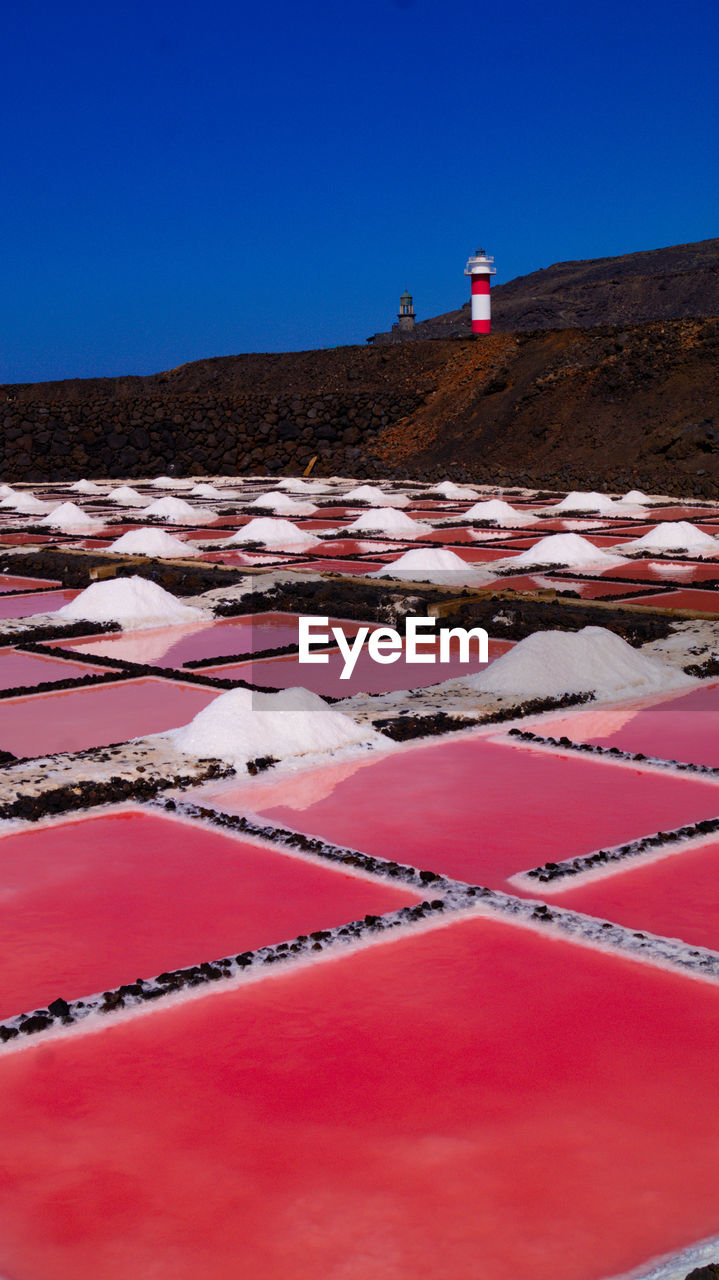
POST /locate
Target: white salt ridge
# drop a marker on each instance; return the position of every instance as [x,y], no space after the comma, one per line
[153,542]
[679,535]
[448,490]
[499,512]
[282,535]
[133,602]
[177,511]
[549,664]
[282,504]
[127,497]
[635,496]
[570,550]
[87,486]
[578,501]
[387,520]
[432,564]
[377,497]
[6,492]
[243,725]
[25,504]
[69,518]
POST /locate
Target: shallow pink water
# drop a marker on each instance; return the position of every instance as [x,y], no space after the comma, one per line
[357,568]
[20,669]
[88,905]
[477,1101]
[38,602]
[661,571]
[172,646]
[367,676]
[683,727]
[8,582]
[480,810]
[73,719]
[676,896]
[702,601]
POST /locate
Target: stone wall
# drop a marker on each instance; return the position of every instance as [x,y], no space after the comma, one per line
[137,435]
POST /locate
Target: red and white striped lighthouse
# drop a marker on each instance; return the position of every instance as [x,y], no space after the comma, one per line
[479,269]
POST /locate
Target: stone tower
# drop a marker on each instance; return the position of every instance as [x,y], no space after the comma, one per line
[405,315]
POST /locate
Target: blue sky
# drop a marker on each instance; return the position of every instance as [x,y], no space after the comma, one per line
[184,179]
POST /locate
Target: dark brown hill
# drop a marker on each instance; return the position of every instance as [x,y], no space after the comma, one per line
[680,282]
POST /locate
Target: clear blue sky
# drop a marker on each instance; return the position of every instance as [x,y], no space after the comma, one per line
[183,179]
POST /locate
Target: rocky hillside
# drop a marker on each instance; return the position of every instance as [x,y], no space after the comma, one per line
[680,282]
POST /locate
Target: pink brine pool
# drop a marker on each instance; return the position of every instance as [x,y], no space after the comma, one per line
[481,810]
[684,727]
[18,670]
[38,602]
[74,719]
[91,904]
[477,1101]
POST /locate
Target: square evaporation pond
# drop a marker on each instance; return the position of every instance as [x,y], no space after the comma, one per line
[661,571]
[19,670]
[10,582]
[683,727]
[674,894]
[368,676]
[38,602]
[41,724]
[588,590]
[354,568]
[475,1100]
[479,810]
[87,905]
[173,646]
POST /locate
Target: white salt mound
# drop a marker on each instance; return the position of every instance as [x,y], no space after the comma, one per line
[133,602]
[282,504]
[377,497]
[242,725]
[499,512]
[6,492]
[636,496]
[70,519]
[86,486]
[168,482]
[679,535]
[578,501]
[153,542]
[206,491]
[431,564]
[594,660]
[568,549]
[387,520]
[177,511]
[300,486]
[127,497]
[448,490]
[26,504]
[282,535]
